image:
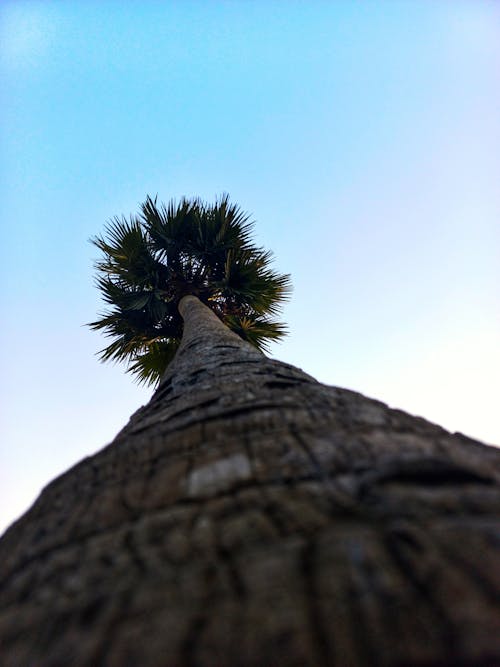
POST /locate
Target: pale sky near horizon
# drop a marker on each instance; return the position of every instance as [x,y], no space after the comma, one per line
[364,138]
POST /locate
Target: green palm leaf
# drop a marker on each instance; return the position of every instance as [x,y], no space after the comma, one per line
[151,261]
[149,366]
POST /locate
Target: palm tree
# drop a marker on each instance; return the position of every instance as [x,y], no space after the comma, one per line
[249,515]
[167,252]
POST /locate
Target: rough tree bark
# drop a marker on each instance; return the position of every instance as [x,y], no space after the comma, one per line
[249,515]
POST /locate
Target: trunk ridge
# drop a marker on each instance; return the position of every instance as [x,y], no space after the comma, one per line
[249,515]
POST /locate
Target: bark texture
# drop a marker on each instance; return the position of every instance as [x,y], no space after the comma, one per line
[251,516]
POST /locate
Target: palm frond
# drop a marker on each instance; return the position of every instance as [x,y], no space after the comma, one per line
[127,255]
[149,366]
[258,331]
[151,261]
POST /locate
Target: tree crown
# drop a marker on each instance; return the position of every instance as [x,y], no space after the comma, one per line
[150,261]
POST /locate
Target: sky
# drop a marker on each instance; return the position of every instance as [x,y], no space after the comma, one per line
[363,137]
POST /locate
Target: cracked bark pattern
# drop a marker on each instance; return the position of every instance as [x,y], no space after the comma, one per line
[251,516]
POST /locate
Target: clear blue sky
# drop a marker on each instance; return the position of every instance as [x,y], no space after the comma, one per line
[364,138]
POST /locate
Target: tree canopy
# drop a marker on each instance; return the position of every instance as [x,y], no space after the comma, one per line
[150,261]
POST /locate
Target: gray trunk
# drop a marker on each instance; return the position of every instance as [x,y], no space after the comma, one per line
[249,515]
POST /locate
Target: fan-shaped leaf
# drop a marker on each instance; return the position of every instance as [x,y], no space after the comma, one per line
[151,261]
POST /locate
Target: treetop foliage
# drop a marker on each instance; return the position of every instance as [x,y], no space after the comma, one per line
[150,261]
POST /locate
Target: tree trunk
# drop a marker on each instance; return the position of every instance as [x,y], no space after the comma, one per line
[249,515]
